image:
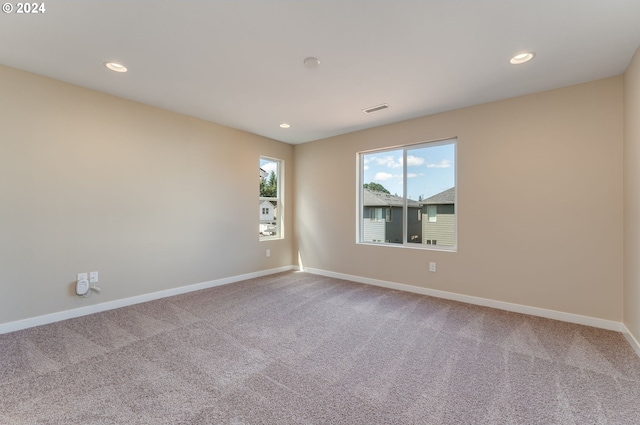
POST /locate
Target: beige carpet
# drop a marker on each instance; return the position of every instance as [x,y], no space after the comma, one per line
[296,348]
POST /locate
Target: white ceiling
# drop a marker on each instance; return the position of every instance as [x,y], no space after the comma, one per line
[240,62]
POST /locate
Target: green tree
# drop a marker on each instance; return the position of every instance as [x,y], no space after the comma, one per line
[376,187]
[269,186]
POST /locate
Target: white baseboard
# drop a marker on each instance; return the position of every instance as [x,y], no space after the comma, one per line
[631,339]
[501,305]
[516,308]
[110,305]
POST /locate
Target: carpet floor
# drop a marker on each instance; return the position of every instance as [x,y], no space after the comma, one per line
[296,348]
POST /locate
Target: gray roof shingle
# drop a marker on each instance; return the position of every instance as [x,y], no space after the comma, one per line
[381,199]
[446,197]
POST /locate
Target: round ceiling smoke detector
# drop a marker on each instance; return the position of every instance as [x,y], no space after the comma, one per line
[311,62]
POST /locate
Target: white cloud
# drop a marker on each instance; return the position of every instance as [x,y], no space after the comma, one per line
[413,161]
[389,161]
[269,167]
[381,177]
[445,163]
[366,167]
[412,175]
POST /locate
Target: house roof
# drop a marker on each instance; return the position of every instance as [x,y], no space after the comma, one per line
[381,199]
[446,197]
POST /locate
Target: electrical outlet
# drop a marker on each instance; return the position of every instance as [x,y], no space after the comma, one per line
[432,266]
[93,277]
[82,276]
[268,253]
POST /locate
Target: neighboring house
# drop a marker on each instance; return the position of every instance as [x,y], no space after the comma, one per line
[382,218]
[438,218]
[267,218]
[263,174]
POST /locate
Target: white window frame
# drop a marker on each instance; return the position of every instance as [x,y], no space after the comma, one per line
[360,196]
[278,199]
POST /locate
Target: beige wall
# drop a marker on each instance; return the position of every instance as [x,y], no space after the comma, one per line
[539,202]
[155,200]
[632,197]
[151,199]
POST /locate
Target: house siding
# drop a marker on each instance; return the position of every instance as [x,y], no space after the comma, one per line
[394,227]
[270,216]
[414,226]
[373,230]
[442,230]
[389,231]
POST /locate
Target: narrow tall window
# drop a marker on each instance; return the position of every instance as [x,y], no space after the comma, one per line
[409,182]
[271,205]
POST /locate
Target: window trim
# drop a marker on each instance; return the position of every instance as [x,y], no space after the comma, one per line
[360,195]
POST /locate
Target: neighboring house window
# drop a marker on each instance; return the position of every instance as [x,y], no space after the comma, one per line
[271,204]
[432,213]
[409,182]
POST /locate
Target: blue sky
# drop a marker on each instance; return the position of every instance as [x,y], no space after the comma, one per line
[430,169]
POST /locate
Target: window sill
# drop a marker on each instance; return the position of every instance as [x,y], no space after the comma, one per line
[418,246]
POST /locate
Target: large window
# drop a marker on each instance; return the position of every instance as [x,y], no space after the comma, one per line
[271,207]
[408,182]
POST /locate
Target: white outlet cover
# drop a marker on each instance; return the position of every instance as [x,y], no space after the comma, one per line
[93,277]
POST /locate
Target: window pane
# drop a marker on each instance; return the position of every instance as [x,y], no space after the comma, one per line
[408,195]
[268,178]
[270,198]
[431,188]
[432,213]
[382,192]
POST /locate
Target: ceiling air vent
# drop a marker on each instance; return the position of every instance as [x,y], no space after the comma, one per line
[376,108]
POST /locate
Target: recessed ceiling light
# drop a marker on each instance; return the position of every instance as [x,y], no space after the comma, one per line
[284,125]
[311,62]
[115,67]
[522,58]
